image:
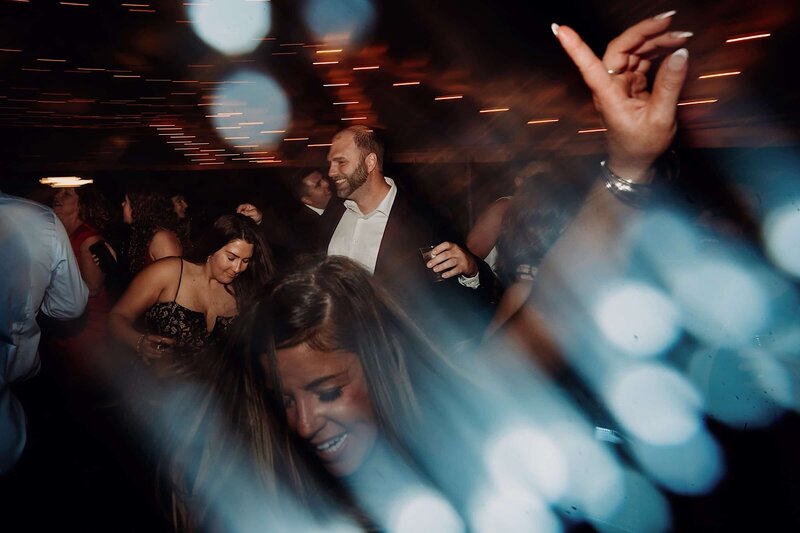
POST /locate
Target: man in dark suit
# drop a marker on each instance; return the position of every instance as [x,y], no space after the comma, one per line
[293,231]
[383,228]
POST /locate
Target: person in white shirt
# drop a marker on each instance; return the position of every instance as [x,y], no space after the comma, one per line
[39,272]
[383,228]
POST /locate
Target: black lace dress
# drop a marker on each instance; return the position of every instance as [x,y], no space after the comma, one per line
[186,326]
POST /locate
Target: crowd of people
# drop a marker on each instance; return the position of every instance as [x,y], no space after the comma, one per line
[319,367]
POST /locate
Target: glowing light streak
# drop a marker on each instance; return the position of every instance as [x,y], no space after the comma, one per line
[272,131]
[319,145]
[335,84]
[747,37]
[593,130]
[719,75]
[334,51]
[451,97]
[543,121]
[325,62]
[75,4]
[296,139]
[346,103]
[354,118]
[44,59]
[698,102]
[405,83]
[373,67]
[494,110]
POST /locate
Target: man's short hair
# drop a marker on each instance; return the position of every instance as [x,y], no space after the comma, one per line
[297,186]
[368,140]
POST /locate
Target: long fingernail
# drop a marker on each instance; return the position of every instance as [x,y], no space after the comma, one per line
[665,14]
[678,59]
[681,34]
[554,29]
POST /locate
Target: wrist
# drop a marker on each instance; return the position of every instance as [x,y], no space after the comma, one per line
[139,342]
[639,172]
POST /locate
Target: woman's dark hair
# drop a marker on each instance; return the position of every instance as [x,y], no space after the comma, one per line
[151,210]
[94,208]
[537,216]
[248,285]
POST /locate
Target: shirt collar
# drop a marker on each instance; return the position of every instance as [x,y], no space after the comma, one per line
[383,208]
[317,210]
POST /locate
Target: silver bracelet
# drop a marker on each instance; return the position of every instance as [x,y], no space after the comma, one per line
[633,194]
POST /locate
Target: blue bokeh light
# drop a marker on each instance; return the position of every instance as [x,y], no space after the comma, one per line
[638,319]
[782,235]
[655,404]
[232,27]
[340,21]
[247,105]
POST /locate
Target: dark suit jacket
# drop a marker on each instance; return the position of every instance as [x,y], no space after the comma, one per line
[291,233]
[402,272]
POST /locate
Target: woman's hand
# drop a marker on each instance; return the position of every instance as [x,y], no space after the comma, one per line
[641,124]
[151,347]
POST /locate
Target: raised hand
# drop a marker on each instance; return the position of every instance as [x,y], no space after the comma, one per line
[641,124]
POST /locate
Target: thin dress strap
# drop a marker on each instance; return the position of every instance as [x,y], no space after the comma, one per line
[180,278]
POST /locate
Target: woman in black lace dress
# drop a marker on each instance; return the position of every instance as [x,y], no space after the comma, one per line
[188,303]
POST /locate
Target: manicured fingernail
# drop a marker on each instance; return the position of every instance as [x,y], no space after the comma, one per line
[554,29]
[681,34]
[678,59]
[665,14]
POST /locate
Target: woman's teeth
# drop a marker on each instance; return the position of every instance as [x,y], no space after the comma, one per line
[333,445]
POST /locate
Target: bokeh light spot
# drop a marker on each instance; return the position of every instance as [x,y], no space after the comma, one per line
[423,511]
[655,403]
[638,319]
[340,21]
[493,512]
[248,104]
[782,235]
[723,302]
[742,387]
[232,27]
[526,461]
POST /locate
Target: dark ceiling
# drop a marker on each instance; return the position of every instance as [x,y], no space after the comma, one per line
[89,85]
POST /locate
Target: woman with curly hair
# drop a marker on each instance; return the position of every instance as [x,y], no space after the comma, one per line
[188,303]
[154,227]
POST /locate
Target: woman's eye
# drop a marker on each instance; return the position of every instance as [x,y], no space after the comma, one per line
[330,395]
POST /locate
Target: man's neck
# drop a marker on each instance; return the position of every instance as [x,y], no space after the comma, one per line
[369,196]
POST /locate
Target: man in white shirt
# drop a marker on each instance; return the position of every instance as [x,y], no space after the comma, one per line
[39,272]
[383,229]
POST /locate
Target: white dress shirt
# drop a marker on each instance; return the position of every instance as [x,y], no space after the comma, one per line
[39,271]
[317,210]
[358,235]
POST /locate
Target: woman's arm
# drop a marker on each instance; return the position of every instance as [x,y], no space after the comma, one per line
[164,244]
[483,235]
[91,273]
[143,292]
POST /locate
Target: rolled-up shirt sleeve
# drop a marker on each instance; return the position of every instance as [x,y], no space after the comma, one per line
[67,294]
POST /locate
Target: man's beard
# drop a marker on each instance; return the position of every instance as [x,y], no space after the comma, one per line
[354,181]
